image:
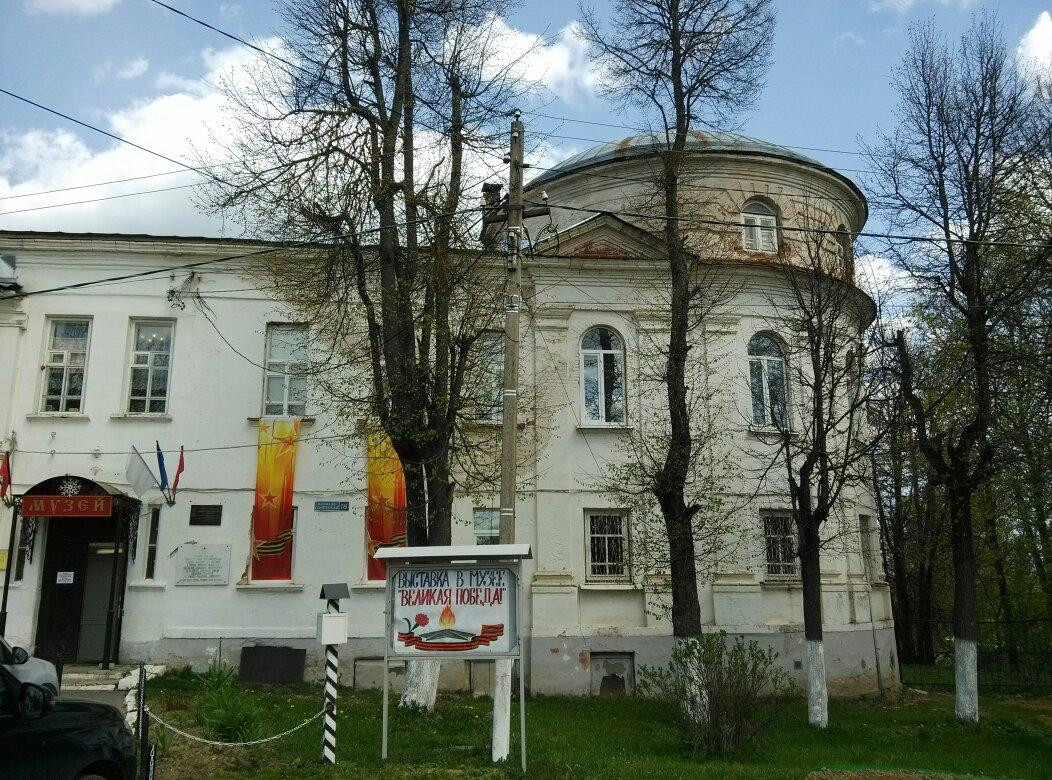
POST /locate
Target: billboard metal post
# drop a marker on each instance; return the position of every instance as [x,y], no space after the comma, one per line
[486,625]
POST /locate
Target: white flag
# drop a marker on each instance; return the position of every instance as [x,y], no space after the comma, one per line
[140,478]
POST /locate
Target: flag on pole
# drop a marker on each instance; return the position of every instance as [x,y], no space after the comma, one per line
[5,475]
[178,471]
[138,474]
[160,468]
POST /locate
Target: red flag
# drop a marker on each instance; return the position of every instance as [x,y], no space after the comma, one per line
[5,475]
[178,471]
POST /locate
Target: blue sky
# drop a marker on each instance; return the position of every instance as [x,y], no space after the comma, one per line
[142,72]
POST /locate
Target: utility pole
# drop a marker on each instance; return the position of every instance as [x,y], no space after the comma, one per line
[513,287]
[502,668]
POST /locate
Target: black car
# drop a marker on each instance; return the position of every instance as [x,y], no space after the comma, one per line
[44,738]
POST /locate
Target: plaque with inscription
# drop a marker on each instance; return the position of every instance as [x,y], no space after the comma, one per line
[203,564]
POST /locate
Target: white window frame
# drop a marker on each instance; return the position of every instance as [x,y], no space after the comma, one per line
[619,354]
[780,570]
[65,365]
[764,362]
[287,372]
[590,575]
[489,533]
[133,353]
[759,229]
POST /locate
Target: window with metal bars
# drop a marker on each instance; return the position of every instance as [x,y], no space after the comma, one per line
[607,545]
[780,543]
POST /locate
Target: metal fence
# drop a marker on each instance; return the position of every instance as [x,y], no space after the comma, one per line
[1013,656]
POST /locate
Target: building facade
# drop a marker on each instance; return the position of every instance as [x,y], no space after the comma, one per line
[187,350]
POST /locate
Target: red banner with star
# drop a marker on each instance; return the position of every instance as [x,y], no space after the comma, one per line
[272,512]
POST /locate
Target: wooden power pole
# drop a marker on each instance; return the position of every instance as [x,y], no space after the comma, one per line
[502,668]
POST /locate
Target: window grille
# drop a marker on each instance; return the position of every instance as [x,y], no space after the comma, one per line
[607,545]
[780,541]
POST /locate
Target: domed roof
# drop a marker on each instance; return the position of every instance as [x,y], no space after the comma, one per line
[697,141]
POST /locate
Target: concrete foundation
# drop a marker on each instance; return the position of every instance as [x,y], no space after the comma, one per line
[562,665]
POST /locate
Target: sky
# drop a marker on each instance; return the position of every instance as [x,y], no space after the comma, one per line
[145,74]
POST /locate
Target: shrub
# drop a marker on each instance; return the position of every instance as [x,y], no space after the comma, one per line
[229,715]
[723,696]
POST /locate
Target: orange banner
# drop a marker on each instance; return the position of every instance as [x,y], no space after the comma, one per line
[385,520]
[272,513]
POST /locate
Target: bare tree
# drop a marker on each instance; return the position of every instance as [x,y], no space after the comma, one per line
[683,64]
[364,134]
[972,133]
[810,390]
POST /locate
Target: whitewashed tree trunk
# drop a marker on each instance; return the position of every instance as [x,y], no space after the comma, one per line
[421,684]
[966,680]
[817,693]
[501,741]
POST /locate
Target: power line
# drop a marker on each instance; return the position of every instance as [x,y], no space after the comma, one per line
[199,263]
[93,184]
[106,133]
[788,228]
[98,200]
[650,130]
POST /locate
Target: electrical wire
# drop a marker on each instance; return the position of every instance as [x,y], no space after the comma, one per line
[199,263]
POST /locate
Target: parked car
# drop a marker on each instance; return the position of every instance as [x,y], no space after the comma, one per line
[41,737]
[26,668]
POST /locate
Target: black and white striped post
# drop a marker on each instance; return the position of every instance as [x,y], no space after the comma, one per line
[332,632]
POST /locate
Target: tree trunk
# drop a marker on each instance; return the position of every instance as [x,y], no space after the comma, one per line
[811,576]
[965,611]
[420,688]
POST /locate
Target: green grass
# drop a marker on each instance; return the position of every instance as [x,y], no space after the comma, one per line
[592,738]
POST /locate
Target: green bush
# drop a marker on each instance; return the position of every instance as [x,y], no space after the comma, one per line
[723,696]
[229,715]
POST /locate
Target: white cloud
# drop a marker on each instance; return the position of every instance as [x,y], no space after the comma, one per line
[1035,48]
[130,70]
[79,7]
[560,64]
[174,124]
[230,11]
[133,68]
[902,6]
[183,116]
[851,37]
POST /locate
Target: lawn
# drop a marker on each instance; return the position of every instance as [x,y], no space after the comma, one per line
[593,738]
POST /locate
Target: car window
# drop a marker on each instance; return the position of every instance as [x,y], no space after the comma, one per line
[5,652]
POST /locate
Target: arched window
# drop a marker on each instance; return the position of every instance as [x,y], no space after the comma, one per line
[759,227]
[603,376]
[767,381]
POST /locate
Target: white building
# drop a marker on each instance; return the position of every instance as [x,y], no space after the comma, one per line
[92,371]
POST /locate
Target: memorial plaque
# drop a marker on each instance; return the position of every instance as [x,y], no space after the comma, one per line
[203,564]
